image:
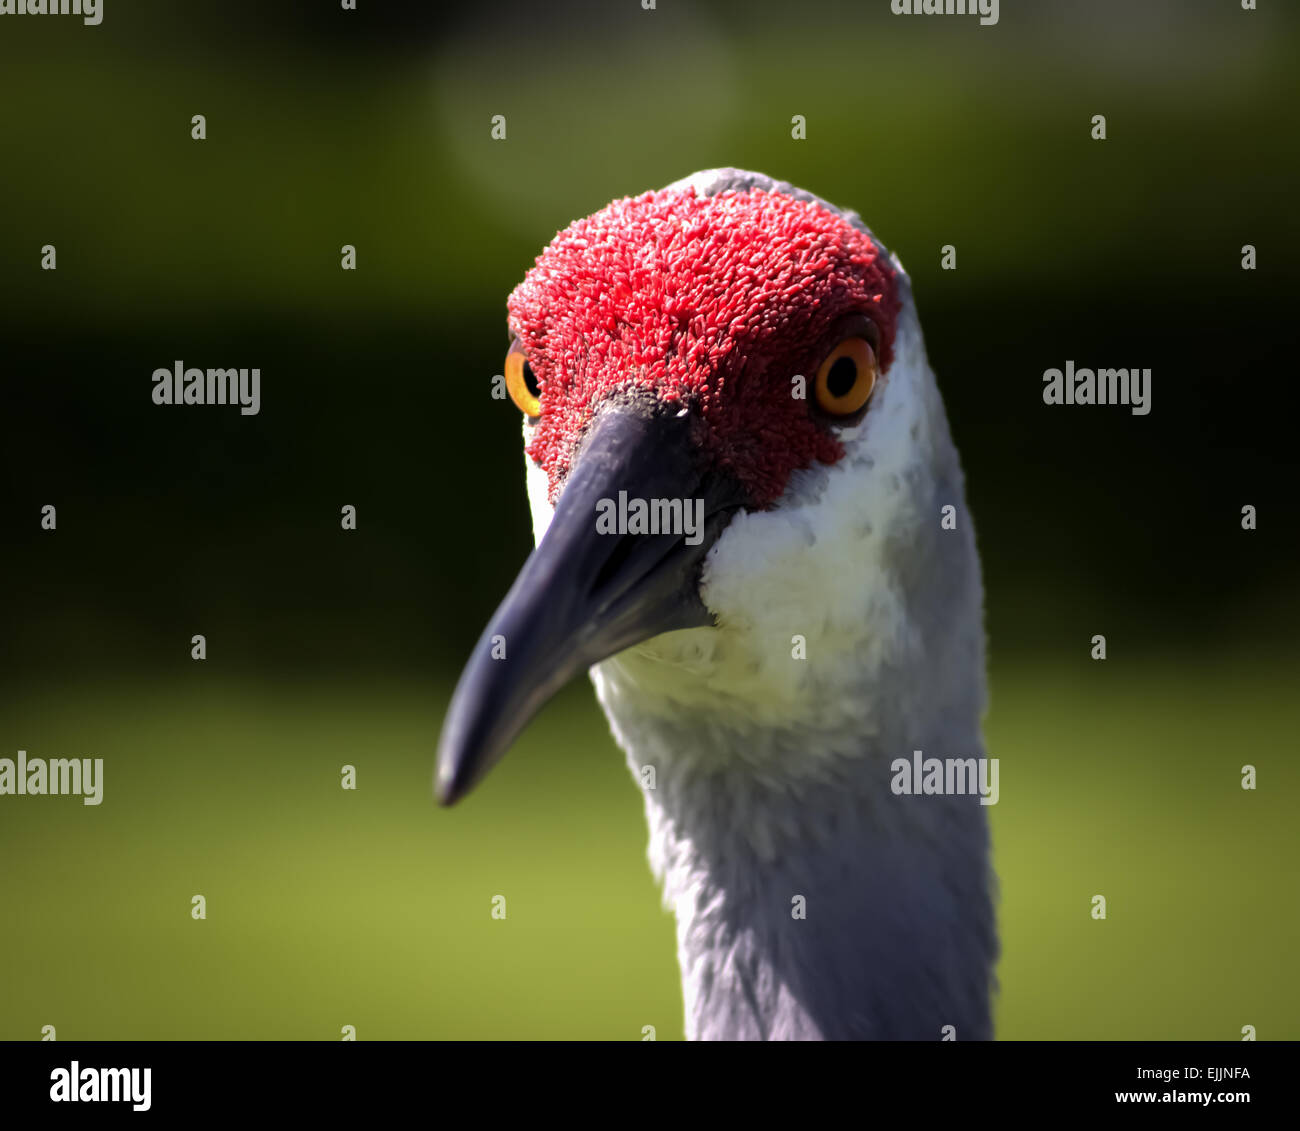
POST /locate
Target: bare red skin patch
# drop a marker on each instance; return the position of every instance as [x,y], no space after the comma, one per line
[710,301]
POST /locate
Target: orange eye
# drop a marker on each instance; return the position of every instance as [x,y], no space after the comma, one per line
[521,383]
[847,376]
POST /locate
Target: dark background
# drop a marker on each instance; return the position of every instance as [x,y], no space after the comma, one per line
[372,127]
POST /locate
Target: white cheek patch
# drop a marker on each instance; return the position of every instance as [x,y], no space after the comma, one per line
[537,484]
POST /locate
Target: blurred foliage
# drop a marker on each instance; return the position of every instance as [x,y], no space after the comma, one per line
[369,908]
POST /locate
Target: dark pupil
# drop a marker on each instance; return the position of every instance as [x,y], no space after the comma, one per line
[842,377]
[530,380]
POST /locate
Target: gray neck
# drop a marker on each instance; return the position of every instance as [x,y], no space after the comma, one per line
[843,912]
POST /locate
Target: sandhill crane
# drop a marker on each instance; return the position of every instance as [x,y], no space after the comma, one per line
[751,526]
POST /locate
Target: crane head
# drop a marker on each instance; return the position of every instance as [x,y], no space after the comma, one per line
[729,425]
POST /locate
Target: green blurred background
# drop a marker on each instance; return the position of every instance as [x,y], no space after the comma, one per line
[325,127]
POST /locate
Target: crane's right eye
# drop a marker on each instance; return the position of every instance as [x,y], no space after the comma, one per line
[521,383]
[847,376]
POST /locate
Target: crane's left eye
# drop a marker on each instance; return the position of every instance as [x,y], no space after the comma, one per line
[847,376]
[521,383]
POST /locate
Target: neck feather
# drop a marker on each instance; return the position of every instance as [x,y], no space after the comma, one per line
[822,907]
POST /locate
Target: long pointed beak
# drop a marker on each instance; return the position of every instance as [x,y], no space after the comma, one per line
[586,593]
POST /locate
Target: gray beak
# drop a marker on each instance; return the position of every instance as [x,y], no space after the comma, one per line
[584,595]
